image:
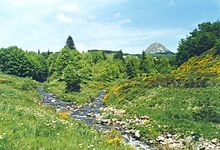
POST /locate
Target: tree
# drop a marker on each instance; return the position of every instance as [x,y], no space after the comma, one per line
[72,79]
[97,56]
[14,61]
[65,57]
[119,55]
[39,66]
[70,43]
[108,70]
[51,60]
[163,64]
[199,41]
[217,47]
[46,54]
[132,66]
[143,66]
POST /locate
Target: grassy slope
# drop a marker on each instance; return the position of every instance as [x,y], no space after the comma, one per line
[24,124]
[175,110]
[206,65]
[182,110]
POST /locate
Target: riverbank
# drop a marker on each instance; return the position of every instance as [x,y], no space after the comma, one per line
[90,114]
[179,117]
[26,124]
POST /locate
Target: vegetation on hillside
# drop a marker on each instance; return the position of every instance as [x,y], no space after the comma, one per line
[205,37]
[171,109]
[180,99]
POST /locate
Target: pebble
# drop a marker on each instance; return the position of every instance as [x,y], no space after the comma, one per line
[160,139]
[137,134]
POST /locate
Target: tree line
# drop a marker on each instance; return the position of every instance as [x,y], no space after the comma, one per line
[73,67]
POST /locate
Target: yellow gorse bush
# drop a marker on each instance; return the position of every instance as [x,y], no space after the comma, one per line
[113,137]
[205,65]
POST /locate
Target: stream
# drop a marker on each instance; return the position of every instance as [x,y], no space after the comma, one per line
[88,113]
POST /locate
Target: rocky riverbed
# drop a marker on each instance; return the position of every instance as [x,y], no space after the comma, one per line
[96,114]
[163,141]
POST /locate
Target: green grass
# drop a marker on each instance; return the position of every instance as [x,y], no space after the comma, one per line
[26,124]
[88,91]
[86,94]
[174,110]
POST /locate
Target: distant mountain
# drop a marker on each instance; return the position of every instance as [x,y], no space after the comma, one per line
[157,48]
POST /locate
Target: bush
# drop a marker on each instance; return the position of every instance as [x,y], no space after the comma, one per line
[159,80]
[39,66]
[14,61]
[113,137]
[72,79]
[25,64]
[193,82]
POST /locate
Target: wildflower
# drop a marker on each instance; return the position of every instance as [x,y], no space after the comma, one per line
[64,115]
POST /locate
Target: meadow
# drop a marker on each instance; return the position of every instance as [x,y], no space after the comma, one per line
[26,124]
[183,111]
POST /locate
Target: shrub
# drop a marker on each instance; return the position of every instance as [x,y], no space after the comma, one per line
[193,82]
[72,79]
[14,61]
[113,137]
[159,80]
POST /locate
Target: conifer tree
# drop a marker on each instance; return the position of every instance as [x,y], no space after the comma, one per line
[70,43]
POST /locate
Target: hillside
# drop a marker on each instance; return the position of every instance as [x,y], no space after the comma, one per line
[171,107]
[206,65]
[26,124]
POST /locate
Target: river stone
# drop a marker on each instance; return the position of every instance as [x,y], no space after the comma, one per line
[137,134]
[188,139]
[160,139]
[53,101]
[214,141]
[169,135]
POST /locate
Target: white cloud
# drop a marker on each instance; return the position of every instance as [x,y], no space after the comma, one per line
[46,24]
[63,18]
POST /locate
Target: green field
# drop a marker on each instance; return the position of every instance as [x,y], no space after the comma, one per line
[26,124]
[174,110]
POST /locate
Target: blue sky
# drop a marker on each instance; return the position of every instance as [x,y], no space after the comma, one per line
[130,25]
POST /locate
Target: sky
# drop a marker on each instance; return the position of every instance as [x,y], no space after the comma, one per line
[130,25]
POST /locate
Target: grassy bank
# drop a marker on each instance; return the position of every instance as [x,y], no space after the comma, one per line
[174,110]
[88,91]
[25,124]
